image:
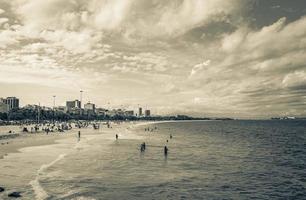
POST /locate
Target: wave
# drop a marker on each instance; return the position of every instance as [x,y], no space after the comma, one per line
[40,193]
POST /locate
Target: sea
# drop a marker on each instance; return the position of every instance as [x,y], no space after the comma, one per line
[235,159]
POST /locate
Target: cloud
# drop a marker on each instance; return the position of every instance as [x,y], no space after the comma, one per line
[296,79]
[252,69]
[157,48]
[130,17]
[8,37]
[3,20]
[199,67]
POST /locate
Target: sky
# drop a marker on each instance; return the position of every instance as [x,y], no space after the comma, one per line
[233,58]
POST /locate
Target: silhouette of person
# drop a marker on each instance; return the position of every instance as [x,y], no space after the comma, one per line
[166,150]
[116,136]
[143,147]
[79,135]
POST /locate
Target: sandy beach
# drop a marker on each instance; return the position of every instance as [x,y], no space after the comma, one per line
[41,150]
[12,145]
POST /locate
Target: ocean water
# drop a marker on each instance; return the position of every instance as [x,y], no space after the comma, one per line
[206,160]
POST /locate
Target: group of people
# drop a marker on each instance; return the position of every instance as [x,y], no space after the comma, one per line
[143,145]
[150,129]
[47,127]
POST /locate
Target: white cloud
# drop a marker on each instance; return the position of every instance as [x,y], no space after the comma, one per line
[199,67]
[8,37]
[129,17]
[3,20]
[295,79]
[159,44]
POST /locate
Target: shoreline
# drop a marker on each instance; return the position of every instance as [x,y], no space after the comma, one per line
[14,145]
[24,140]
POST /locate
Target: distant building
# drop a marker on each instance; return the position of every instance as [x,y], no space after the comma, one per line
[12,102]
[147,113]
[129,113]
[73,104]
[101,111]
[36,107]
[115,112]
[61,109]
[3,107]
[31,107]
[90,106]
[140,112]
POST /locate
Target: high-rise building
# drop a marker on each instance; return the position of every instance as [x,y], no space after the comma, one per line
[139,112]
[147,113]
[12,102]
[73,104]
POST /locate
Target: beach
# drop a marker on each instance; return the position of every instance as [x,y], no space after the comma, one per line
[206,160]
[41,150]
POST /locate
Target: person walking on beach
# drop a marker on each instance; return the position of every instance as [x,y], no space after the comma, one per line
[165,150]
[79,135]
[116,136]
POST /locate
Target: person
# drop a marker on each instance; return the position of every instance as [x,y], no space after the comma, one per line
[79,135]
[116,136]
[143,147]
[166,150]
[170,136]
[167,141]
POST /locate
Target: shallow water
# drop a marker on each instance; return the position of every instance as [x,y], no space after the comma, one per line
[206,160]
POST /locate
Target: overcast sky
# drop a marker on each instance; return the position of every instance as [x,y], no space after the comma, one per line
[238,58]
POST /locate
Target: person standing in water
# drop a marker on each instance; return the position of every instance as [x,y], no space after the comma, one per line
[143,147]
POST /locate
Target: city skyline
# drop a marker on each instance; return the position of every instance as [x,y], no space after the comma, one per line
[13,102]
[214,58]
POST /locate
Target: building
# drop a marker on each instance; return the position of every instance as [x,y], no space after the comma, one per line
[3,107]
[129,113]
[147,113]
[115,112]
[60,109]
[140,112]
[12,102]
[73,104]
[90,106]
[31,107]
[101,111]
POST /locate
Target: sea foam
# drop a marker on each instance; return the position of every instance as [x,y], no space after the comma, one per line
[39,191]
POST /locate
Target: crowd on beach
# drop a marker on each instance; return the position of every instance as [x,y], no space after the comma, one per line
[17,129]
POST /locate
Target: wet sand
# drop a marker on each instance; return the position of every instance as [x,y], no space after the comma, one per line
[12,145]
